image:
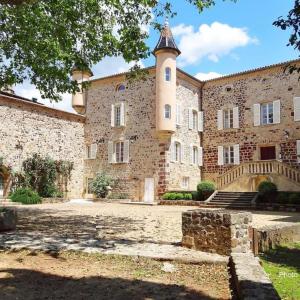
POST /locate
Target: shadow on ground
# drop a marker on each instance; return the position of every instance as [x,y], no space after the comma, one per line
[284,256]
[29,285]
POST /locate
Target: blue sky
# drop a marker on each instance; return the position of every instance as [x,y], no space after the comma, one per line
[227,38]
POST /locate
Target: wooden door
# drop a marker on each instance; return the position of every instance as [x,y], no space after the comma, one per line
[149,190]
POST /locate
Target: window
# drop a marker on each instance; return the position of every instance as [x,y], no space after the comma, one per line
[121,88]
[167,111]
[195,120]
[177,151]
[119,151]
[185,182]
[267,114]
[91,151]
[229,155]
[178,114]
[228,118]
[195,156]
[117,115]
[168,74]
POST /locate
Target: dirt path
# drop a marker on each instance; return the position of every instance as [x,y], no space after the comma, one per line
[31,276]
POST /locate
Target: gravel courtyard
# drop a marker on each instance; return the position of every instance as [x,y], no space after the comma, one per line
[114,228]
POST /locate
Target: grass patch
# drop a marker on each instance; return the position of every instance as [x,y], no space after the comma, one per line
[283,267]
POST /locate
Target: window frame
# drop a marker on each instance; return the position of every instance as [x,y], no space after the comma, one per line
[117,115]
[177,151]
[168,74]
[195,119]
[266,113]
[185,182]
[167,111]
[121,88]
[119,147]
[228,118]
[228,155]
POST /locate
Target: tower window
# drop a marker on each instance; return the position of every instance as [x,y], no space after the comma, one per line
[121,88]
[167,111]
[168,74]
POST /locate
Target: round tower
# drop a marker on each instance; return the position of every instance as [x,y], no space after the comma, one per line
[78,99]
[166,53]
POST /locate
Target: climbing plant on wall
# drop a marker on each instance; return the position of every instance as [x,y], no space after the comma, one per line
[44,175]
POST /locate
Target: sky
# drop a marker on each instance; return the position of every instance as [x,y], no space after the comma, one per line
[226,38]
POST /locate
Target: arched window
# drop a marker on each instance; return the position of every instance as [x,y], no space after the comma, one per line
[167,111]
[168,74]
[121,88]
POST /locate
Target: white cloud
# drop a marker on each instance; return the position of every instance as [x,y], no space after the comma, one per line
[211,41]
[208,76]
[108,66]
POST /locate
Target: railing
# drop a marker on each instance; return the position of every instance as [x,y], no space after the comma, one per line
[259,168]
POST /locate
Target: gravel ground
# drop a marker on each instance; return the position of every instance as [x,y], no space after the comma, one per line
[114,228]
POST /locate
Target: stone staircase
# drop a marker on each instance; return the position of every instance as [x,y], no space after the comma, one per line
[8,202]
[234,200]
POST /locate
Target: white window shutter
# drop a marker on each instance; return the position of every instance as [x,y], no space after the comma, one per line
[126,151]
[276,108]
[200,159]
[111,153]
[178,114]
[94,151]
[182,158]
[191,154]
[297,108]
[190,118]
[236,123]
[220,119]
[123,114]
[236,154]
[220,155]
[112,116]
[256,114]
[298,150]
[200,121]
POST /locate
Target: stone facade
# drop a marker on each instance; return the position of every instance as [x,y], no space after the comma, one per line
[149,154]
[244,91]
[28,128]
[217,231]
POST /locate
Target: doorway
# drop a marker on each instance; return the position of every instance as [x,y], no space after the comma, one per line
[1,187]
[149,190]
[268,153]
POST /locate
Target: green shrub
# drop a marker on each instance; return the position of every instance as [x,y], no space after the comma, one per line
[187,196]
[196,196]
[100,185]
[205,189]
[282,198]
[267,187]
[118,196]
[294,198]
[179,196]
[25,196]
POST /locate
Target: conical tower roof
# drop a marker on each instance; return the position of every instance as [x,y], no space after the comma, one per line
[166,40]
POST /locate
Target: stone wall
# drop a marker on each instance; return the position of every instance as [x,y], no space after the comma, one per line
[244,90]
[216,231]
[149,155]
[42,130]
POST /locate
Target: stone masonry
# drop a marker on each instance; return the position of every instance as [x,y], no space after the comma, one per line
[243,91]
[28,128]
[216,231]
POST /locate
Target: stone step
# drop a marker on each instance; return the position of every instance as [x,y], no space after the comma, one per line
[231,204]
[232,197]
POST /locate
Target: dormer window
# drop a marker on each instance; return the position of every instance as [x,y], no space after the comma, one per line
[167,111]
[121,88]
[168,74]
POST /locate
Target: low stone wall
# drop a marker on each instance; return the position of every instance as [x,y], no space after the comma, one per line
[216,231]
[271,236]
[180,202]
[249,279]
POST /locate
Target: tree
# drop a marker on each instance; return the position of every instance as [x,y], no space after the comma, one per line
[42,40]
[292,21]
